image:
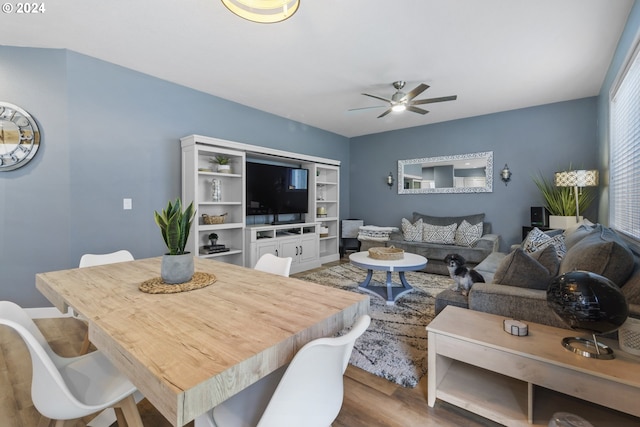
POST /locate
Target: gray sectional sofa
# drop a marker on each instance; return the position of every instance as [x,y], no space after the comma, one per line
[516,287]
[435,252]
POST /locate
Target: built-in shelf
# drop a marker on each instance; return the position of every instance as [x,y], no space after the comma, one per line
[197,175]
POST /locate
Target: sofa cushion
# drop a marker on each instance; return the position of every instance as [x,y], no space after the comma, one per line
[549,259]
[412,232]
[631,288]
[444,234]
[537,240]
[602,252]
[519,269]
[446,220]
[467,234]
[573,235]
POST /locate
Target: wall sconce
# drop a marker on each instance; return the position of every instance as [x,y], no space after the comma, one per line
[390,180]
[505,174]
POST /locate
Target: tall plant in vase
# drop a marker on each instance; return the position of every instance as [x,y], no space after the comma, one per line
[561,201]
[175,225]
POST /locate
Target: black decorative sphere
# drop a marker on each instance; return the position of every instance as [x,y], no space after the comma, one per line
[588,302]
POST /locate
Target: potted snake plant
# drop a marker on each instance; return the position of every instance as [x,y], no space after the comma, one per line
[175,225]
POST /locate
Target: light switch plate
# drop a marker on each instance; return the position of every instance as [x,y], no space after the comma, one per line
[127,204]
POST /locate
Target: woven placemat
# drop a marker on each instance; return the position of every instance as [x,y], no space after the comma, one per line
[157,286]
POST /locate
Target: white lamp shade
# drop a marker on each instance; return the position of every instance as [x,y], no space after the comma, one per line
[576,178]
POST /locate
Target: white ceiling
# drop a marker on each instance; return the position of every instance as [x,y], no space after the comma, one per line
[496,55]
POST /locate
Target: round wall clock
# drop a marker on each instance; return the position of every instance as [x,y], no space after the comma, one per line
[19,137]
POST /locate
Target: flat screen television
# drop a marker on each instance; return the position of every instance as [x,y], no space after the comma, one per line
[276,190]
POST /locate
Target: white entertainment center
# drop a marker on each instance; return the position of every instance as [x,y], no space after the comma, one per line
[310,242]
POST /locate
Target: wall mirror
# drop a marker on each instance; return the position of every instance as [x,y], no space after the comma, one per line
[461,173]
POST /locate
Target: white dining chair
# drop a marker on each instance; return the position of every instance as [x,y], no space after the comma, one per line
[91,260]
[273,264]
[70,388]
[308,392]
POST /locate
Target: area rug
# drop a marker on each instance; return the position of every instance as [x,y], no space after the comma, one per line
[395,345]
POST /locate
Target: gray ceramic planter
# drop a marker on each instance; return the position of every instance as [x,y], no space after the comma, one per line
[177,268]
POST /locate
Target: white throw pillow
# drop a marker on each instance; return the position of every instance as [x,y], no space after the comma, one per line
[467,234]
[444,234]
[412,232]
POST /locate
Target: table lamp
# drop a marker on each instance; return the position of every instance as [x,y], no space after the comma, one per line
[576,179]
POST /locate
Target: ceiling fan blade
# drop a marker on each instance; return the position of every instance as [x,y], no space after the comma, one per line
[367,108]
[378,97]
[417,91]
[416,109]
[432,100]
[385,113]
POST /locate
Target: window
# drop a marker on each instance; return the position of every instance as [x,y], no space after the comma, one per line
[624,214]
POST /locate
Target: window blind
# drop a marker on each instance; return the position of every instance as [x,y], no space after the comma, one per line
[624,183]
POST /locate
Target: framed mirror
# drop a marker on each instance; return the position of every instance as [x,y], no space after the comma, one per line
[461,173]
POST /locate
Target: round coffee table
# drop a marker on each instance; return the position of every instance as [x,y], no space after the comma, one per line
[410,262]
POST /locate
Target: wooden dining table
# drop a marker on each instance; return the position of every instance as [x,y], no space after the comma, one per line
[187,352]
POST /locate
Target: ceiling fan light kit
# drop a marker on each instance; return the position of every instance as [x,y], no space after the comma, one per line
[263,11]
[401,101]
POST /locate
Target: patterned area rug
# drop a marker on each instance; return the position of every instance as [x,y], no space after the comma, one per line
[395,345]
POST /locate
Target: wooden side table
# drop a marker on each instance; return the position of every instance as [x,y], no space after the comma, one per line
[522,381]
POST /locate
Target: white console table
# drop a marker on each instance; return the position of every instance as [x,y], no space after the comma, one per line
[522,381]
[298,241]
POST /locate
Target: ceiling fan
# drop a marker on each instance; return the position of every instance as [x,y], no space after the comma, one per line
[401,101]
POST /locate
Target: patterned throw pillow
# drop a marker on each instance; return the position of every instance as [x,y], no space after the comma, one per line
[443,234]
[467,234]
[412,232]
[537,240]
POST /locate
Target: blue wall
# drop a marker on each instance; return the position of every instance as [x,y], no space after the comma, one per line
[533,140]
[111,133]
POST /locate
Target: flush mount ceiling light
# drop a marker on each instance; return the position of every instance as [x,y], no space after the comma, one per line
[263,11]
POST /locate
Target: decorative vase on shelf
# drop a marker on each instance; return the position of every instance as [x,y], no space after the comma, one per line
[224,168]
[216,191]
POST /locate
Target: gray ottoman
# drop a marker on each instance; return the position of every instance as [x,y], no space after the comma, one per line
[450,297]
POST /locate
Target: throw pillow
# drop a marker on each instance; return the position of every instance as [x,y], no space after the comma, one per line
[412,232]
[521,270]
[446,220]
[573,235]
[467,234]
[444,234]
[537,240]
[602,252]
[549,259]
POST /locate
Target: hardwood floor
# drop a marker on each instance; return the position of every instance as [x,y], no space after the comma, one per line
[369,401]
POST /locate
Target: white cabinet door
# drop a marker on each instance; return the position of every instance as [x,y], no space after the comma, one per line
[308,248]
[290,248]
[265,248]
